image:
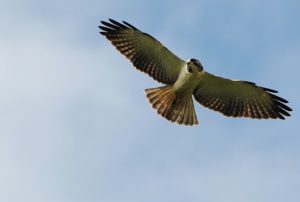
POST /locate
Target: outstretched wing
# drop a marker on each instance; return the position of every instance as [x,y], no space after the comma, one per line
[145,52]
[240,98]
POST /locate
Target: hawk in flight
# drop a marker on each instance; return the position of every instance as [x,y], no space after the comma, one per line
[185,79]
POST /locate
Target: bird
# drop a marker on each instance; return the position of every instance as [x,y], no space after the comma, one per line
[187,79]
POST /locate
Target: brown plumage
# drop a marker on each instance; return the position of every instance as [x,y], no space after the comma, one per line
[172,107]
[186,79]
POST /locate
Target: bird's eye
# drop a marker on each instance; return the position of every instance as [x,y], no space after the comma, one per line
[200,68]
[189,69]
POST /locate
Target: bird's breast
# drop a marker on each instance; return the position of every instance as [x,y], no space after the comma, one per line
[186,83]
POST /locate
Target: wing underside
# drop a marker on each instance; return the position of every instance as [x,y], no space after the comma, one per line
[145,52]
[240,98]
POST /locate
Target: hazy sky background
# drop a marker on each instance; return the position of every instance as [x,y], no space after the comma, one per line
[75,124]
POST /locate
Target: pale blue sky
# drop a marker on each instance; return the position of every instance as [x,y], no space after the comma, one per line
[75,124]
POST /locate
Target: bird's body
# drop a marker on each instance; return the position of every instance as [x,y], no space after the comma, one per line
[174,102]
[187,79]
[186,82]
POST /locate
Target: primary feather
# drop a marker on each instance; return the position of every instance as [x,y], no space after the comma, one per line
[145,52]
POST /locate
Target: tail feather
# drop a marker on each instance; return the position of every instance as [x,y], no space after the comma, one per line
[171,107]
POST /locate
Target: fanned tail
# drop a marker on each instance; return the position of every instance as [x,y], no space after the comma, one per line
[176,109]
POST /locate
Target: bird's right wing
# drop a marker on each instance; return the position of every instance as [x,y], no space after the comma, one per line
[240,98]
[145,52]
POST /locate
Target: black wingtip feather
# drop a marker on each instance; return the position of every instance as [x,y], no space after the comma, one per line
[117,23]
[279,106]
[107,29]
[278,98]
[129,25]
[249,82]
[269,90]
[283,106]
[103,33]
[285,113]
[280,116]
[110,25]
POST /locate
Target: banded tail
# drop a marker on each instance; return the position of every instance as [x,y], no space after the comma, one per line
[176,109]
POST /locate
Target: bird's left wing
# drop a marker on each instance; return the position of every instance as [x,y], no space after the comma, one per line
[240,98]
[145,52]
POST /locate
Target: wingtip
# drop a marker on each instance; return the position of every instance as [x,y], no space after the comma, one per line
[278,98]
[112,20]
[281,117]
[129,25]
[103,22]
[103,33]
[270,90]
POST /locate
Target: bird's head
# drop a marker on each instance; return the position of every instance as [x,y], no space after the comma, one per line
[194,65]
